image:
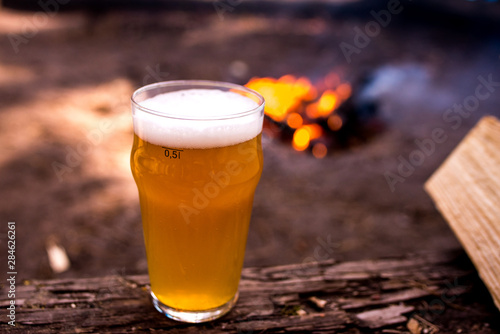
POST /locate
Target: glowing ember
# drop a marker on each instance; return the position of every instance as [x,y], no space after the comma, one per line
[344,90]
[294,120]
[334,122]
[303,136]
[327,102]
[284,95]
[294,102]
[301,139]
[319,150]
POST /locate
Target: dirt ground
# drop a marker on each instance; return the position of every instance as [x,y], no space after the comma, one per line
[65,88]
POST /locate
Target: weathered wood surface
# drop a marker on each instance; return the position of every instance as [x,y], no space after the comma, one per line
[466,189]
[382,296]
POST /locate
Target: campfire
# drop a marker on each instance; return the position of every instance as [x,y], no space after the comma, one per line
[315,117]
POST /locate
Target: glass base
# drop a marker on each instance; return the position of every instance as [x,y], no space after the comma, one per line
[193,316]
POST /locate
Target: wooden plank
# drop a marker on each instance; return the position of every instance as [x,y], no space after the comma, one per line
[319,297]
[466,190]
[384,316]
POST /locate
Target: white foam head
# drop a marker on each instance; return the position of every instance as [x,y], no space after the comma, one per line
[198,118]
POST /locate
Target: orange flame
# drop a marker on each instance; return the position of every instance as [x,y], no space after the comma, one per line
[303,136]
[295,101]
[327,103]
[294,120]
[324,106]
[284,95]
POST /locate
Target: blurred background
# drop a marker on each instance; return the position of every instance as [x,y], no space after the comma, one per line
[386,88]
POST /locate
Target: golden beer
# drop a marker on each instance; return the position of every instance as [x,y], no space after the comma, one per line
[196,204]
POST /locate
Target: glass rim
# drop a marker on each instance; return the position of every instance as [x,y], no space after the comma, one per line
[199,83]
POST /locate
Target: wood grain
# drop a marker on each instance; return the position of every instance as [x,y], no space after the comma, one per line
[320,297]
[466,190]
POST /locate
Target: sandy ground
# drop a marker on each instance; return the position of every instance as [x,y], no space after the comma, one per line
[64,92]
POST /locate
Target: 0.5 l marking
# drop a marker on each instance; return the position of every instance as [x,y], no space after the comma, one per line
[172,153]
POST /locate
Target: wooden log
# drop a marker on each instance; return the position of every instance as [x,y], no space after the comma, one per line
[466,189]
[319,297]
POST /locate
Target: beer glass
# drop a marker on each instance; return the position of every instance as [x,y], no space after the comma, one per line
[196,160]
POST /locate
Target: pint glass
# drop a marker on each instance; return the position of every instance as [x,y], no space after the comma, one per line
[196,160]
